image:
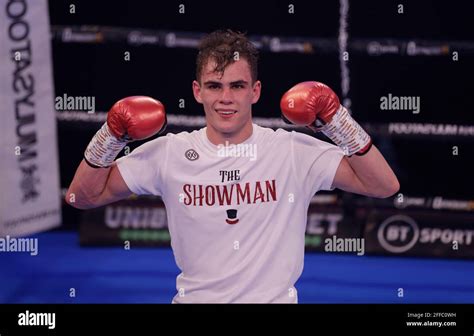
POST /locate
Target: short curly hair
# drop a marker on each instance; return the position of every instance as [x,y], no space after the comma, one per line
[222,46]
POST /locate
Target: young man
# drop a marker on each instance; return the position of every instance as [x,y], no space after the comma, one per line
[237,222]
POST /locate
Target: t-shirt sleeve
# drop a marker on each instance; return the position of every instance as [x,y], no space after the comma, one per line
[315,162]
[143,170]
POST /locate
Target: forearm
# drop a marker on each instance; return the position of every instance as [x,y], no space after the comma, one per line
[374,173]
[87,186]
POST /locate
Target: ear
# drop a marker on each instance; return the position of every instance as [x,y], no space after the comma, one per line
[256,90]
[197,91]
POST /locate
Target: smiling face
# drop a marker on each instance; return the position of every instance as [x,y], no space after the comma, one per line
[227,98]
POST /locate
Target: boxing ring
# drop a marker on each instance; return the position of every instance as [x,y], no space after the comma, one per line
[419,244]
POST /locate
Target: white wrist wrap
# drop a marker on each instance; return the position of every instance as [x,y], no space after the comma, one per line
[345,132]
[103,148]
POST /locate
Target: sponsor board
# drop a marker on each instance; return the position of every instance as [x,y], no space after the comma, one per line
[420,233]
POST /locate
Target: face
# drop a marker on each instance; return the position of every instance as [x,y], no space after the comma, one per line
[227,98]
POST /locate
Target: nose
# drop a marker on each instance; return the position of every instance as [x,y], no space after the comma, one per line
[226,96]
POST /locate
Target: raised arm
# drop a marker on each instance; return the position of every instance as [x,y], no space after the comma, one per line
[363,169]
[97,180]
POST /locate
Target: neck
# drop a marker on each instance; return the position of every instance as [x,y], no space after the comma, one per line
[217,138]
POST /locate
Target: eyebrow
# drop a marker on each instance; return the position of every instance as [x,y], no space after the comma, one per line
[237,82]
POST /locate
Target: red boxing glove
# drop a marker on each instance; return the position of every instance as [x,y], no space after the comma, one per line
[307,101]
[314,104]
[129,119]
[136,117]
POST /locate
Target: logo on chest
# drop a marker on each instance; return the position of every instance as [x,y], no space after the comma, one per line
[191,155]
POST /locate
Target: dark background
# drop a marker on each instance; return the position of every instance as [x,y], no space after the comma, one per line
[425,165]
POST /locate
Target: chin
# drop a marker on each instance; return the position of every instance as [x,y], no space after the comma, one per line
[227,129]
[226,126]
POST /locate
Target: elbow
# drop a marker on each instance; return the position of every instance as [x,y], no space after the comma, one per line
[72,200]
[389,190]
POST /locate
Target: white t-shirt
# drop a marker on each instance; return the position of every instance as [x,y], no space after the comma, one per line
[236,215]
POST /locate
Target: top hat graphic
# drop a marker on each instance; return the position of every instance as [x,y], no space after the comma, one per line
[232,216]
